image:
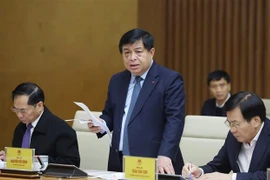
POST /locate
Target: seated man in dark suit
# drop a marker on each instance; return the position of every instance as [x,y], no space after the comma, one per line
[246,150]
[40,129]
[219,86]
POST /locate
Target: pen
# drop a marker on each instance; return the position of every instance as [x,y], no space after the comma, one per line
[40,162]
[81,120]
[189,168]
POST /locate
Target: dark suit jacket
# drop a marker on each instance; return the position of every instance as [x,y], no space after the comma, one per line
[157,122]
[226,159]
[52,136]
[210,109]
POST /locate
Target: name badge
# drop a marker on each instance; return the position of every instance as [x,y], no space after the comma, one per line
[140,168]
[19,158]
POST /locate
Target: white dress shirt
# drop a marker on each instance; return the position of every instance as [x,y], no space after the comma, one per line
[34,124]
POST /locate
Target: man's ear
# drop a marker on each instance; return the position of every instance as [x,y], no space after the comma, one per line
[257,121]
[152,52]
[40,105]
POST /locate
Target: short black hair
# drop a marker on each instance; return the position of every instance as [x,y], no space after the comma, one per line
[250,104]
[218,75]
[134,35]
[30,89]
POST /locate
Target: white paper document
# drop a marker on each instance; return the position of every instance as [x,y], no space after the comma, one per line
[2,164]
[94,119]
[108,175]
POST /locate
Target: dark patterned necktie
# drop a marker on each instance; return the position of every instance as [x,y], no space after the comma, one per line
[26,136]
[135,93]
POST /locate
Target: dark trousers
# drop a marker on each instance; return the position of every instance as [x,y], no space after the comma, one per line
[115,160]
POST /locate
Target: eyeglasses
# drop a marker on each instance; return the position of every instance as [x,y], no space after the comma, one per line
[234,124]
[22,111]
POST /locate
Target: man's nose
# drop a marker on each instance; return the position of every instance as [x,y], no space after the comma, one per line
[218,88]
[133,56]
[19,114]
[233,129]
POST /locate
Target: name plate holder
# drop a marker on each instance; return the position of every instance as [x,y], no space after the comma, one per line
[19,163]
[140,168]
[19,158]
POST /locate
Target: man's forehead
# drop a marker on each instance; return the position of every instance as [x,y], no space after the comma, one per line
[234,114]
[136,44]
[214,81]
[22,97]
[21,100]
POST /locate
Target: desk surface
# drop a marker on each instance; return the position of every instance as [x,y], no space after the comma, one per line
[93,174]
[47,178]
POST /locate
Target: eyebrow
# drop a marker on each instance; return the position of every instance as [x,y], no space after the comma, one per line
[232,121]
[125,48]
[18,108]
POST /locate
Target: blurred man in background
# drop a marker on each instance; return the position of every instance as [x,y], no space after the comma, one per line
[220,87]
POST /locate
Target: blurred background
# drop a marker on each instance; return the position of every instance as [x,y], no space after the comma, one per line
[70,48]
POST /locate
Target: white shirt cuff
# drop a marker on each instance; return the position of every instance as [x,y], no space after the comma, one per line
[234,176]
[103,131]
[202,172]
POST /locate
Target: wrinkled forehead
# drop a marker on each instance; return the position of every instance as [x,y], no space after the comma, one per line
[235,115]
[20,101]
[136,44]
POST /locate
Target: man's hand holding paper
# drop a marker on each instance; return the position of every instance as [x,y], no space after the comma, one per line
[93,128]
[95,124]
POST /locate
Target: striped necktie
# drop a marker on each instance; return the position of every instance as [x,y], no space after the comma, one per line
[26,137]
[135,93]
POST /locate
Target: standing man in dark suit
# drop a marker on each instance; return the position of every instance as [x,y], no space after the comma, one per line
[49,134]
[155,125]
[246,150]
[219,85]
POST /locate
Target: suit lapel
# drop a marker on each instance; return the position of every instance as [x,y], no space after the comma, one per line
[260,147]
[149,84]
[122,93]
[42,124]
[235,153]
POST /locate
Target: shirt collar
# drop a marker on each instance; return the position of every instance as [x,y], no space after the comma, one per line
[34,123]
[220,106]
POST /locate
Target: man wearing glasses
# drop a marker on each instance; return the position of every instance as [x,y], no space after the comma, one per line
[40,129]
[246,150]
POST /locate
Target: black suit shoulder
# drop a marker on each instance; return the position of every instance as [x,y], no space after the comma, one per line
[208,106]
[210,109]
[57,123]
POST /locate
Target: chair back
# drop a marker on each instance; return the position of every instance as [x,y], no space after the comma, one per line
[267,106]
[202,138]
[94,152]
